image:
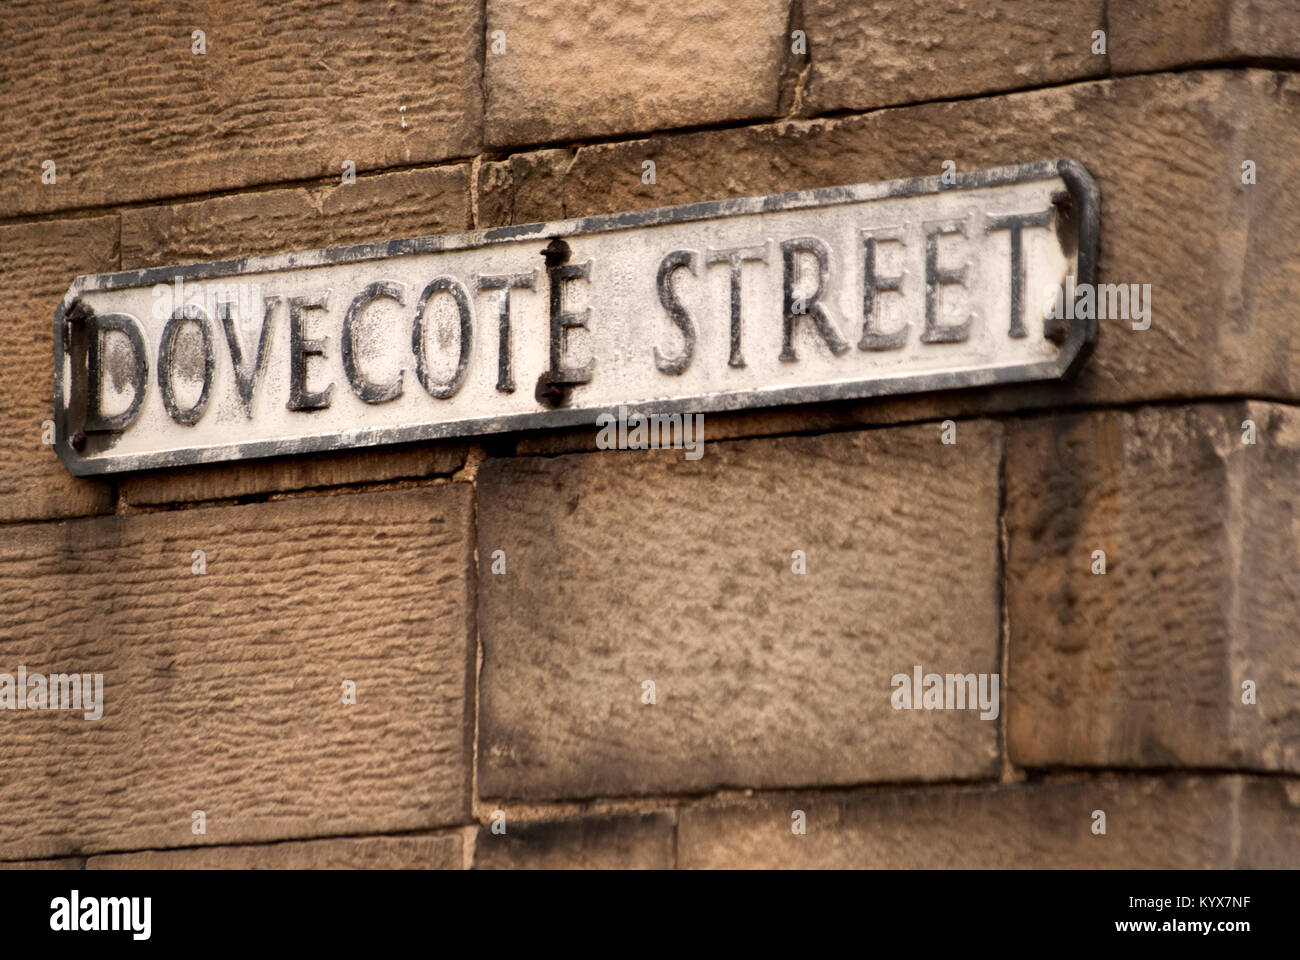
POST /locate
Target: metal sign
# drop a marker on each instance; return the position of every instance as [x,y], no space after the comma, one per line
[861,291]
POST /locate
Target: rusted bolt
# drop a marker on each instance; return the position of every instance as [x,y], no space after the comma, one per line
[556,252]
[76,314]
[1062,200]
[79,312]
[78,441]
[551,394]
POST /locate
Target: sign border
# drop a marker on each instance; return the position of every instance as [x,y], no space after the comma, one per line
[1074,350]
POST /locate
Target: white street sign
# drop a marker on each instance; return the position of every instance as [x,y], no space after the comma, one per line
[859,291]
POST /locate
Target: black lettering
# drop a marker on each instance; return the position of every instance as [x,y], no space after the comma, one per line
[558,274]
[936,276]
[246,381]
[669,266]
[1016,223]
[96,421]
[442,285]
[363,388]
[872,336]
[300,349]
[826,329]
[506,283]
[734,257]
[166,351]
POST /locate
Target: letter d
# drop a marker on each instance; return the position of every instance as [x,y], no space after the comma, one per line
[96,420]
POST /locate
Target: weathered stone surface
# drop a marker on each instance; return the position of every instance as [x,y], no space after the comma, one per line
[1159,34]
[390,206]
[582,68]
[222,691]
[286,91]
[533,182]
[225,481]
[1224,265]
[63,863]
[1270,837]
[1144,666]
[38,262]
[619,841]
[795,418]
[430,852]
[624,567]
[862,56]
[1150,822]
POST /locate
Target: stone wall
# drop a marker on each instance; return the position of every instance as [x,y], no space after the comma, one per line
[485,698]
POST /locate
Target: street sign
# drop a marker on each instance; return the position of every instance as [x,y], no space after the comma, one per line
[842,292]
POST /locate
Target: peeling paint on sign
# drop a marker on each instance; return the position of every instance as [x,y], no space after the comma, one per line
[843,292]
